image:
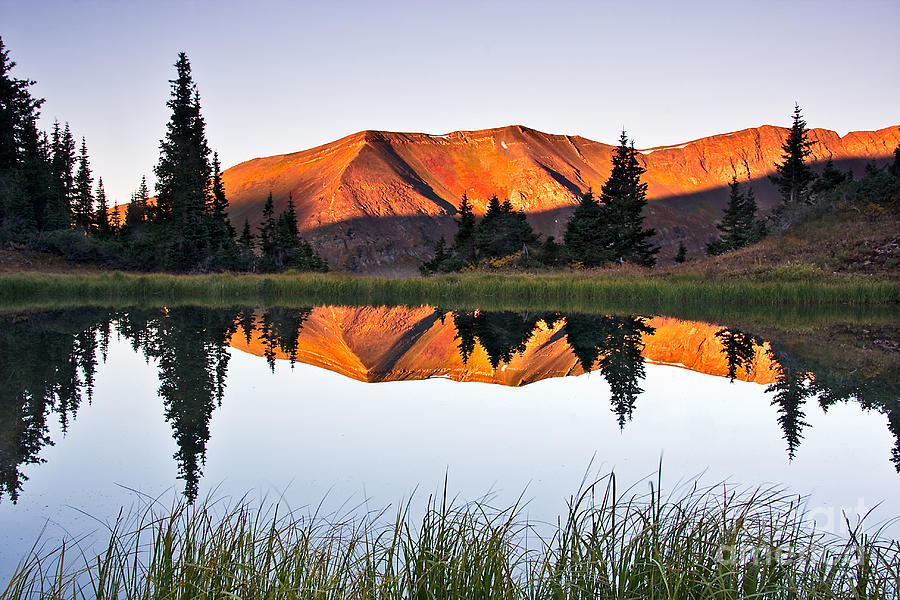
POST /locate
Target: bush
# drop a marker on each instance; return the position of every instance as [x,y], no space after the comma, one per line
[75,246]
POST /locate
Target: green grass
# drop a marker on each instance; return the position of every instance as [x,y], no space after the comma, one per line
[571,291]
[701,543]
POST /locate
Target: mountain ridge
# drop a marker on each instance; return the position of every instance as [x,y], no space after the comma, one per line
[378,200]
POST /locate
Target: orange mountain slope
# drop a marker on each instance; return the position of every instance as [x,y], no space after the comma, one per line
[400,343]
[378,201]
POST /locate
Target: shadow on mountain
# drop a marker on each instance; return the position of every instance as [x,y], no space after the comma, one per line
[397,245]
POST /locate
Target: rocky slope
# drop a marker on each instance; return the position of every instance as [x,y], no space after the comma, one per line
[400,343]
[377,201]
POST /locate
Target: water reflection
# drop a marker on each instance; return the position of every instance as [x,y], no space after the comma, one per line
[48,362]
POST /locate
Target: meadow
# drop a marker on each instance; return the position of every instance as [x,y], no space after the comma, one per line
[785,286]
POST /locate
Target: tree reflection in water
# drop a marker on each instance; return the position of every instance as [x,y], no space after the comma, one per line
[48,362]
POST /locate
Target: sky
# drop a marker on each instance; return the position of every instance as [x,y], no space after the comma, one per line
[278,77]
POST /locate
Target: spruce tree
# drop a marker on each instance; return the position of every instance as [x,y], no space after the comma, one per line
[84,194]
[588,236]
[793,174]
[101,218]
[464,242]
[245,245]
[115,220]
[183,175]
[246,241]
[223,231]
[739,226]
[681,256]
[25,174]
[623,197]
[502,231]
[829,179]
[267,228]
[136,212]
[62,164]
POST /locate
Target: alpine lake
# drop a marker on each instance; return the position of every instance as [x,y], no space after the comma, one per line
[345,410]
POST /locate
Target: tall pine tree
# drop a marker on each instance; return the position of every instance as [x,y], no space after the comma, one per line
[25,175]
[623,198]
[101,218]
[793,175]
[463,242]
[183,176]
[84,193]
[62,164]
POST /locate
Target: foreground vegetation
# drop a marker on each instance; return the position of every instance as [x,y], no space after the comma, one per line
[705,543]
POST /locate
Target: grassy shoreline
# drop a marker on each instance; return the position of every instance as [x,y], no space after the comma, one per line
[784,287]
[710,542]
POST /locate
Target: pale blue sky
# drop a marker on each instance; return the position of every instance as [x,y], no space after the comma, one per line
[278,77]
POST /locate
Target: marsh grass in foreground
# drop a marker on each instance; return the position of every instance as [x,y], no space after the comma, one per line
[700,543]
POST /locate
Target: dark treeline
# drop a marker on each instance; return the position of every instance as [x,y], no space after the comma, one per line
[48,362]
[49,199]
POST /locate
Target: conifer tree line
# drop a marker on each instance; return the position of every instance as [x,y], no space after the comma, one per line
[605,230]
[46,183]
[51,200]
[609,229]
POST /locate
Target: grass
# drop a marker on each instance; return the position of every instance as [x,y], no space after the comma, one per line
[700,543]
[782,286]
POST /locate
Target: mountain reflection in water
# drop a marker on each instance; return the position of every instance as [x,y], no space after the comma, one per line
[48,362]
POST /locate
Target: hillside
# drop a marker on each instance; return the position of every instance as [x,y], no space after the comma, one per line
[377,201]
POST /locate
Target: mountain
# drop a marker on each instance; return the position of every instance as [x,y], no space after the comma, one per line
[377,201]
[377,344]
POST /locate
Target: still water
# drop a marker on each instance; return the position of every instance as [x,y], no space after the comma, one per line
[342,409]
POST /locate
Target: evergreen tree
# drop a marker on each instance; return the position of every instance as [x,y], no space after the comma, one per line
[84,193]
[739,226]
[136,211]
[62,164]
[551,252]
[25,177]
[282,246]
[115,220]
[246,244]
[246,241]
[267,228]
[183,175]
[503,230]
[588,236]
[616,231]
[101,217]
[464,242]
[681,256]
[437,263]
[828,180]
[793,174]
[221,231]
